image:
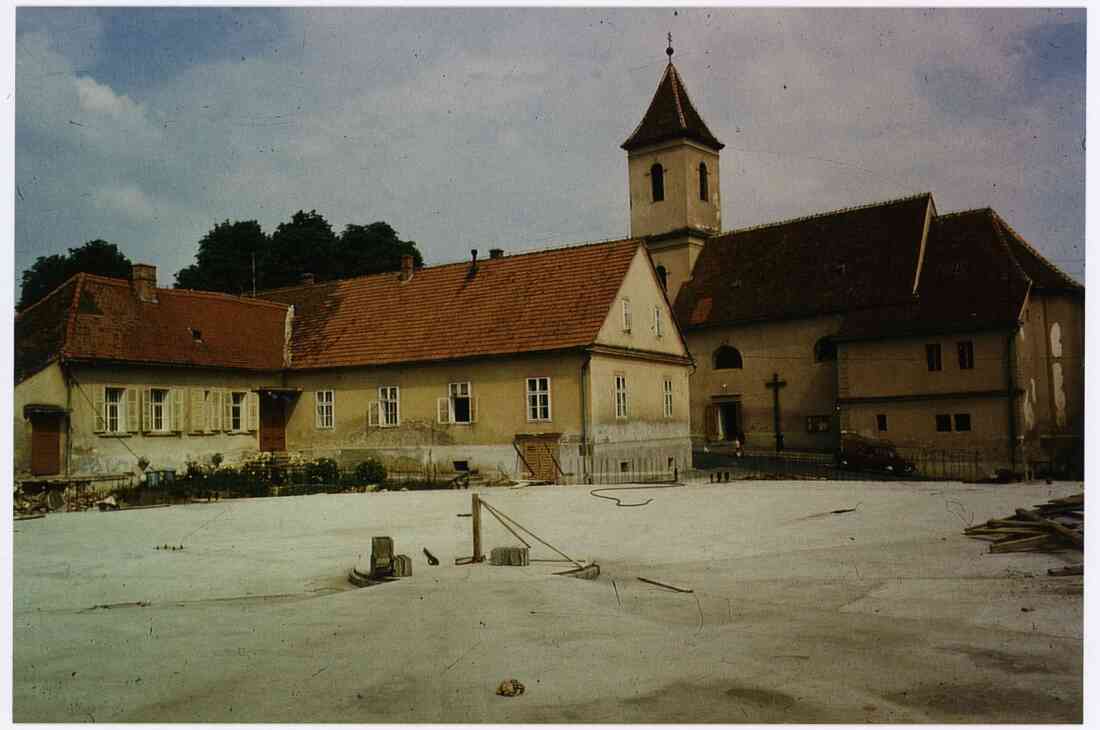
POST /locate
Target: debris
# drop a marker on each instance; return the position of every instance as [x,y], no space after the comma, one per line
[381,556]
[665,585]
[402,566]
[432,560]
[1055,525]
[1077,569]
[20,518]
[510,688]
[108,504]
[585,572]
[509,556]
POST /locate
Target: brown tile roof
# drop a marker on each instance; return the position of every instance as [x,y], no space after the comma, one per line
[97,318]
[1044,275]
[969,281]
[532,302]
[671,115]
[832,262]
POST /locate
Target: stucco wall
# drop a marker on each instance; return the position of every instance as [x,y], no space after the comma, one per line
[783,348]
[104,453]
[913,424]
[681,206]
[641,287]
[498,386]
[46,387]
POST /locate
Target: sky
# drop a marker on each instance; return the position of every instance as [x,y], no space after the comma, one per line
[497,127]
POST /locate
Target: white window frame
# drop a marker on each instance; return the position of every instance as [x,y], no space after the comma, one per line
[326,410]
[621,409]
[119,410]
[668,398]
[539,409]
[627,319]
[389,395]
[237,411]
[161,409]
[462,389]
[657,328]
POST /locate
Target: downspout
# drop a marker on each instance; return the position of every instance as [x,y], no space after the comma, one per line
[1010,370]
[68,417]
[585,455]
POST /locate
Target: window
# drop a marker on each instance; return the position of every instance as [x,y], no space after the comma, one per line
[662,275]
[962,421]
[236,412]
[657,328]
[966,355]
[390,406]
[657,182]
[113,415]
[158,410]
[624,467]
[325,402]
[620,396]
[824,350]
[943,422]
[935,358]
[704,188]
[626,315]
[459,394]
[727,358]
[817,424]
[668,398]
[538,399]
[880,422]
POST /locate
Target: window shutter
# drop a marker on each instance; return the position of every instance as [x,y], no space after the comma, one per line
[133,422]
[227,410]
[198,410]
[372,414]
[443,410]
[473,409]
[253,400]
[214,413]
[317,409]
[177,409]
[712,423]
[98,417]
[146,409]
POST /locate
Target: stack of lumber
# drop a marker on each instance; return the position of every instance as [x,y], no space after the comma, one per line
[1055,525]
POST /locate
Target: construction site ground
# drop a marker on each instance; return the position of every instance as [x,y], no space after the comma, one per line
[885,613]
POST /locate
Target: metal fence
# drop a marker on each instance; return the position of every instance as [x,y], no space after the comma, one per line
[611,470]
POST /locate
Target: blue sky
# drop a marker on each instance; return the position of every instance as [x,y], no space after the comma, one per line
[491,127]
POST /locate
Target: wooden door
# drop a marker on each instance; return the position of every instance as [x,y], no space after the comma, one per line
[540,454]
[272,423]
[45,445]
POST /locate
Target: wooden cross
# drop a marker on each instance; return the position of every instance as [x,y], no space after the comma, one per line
[775,384]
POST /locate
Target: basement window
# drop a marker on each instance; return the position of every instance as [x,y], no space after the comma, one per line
[943,423]
[962,421]
[462,465]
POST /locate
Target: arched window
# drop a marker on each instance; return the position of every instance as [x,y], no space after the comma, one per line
[727,358]
[824,350]
[657,180]
[662,274]
[704,188]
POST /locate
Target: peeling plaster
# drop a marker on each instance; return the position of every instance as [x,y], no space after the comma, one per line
[1056,340]
[1059,392]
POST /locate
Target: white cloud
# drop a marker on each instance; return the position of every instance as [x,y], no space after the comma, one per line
[128,200]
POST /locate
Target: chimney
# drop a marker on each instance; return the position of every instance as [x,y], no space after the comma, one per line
[473,262]
[307,279]
[144,278]
[496,253]
[406,268]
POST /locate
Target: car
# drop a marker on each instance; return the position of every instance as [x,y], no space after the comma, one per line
[860,453]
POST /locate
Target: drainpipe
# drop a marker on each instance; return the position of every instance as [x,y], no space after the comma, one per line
[585,455]
[1010,370]
[68,417]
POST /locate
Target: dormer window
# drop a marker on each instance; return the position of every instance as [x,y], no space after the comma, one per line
[657,181]
[196,335]
[704,187]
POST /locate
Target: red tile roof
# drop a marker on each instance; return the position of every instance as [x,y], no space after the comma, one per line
[671,115]
[828,263]
[547,300]
[96,318]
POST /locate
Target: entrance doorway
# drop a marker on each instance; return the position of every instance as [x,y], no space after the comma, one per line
[540,455]
[729,420]
[45,444]
[272,422]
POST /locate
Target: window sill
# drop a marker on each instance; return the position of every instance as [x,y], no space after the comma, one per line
[110,435]
[160,434]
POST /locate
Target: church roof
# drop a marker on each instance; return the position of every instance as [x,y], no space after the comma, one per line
[98,318]
[671,115]
[821,264]
[534,302]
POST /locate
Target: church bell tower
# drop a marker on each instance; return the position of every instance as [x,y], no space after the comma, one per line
[672,160]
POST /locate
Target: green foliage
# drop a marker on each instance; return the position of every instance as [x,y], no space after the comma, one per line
[225,257]
[322,471]
[370,471]
[305,244]
[372,249]
[49,272]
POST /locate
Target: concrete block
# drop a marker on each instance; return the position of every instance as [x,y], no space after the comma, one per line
[402,566]
[509,556]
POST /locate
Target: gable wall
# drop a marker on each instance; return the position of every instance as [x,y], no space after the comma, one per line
[641,287]
[46,387]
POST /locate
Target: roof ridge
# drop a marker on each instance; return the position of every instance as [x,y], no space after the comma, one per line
[200,293]
[968,211]
[812,216]
[676,93]
[1031,249]
[995,220]
[464,262]
[50,293]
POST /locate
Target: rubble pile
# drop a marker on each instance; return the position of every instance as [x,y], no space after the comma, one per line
[1055,525]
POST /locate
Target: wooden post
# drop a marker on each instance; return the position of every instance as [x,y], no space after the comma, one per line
[475,512]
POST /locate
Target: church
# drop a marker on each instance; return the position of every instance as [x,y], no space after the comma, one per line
[892,320]
[939,332]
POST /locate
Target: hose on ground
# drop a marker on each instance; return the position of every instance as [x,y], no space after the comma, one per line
[619,503]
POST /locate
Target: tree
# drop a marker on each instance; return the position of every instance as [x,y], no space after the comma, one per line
[303,245]
[49,272]
[225,259]
[372,249]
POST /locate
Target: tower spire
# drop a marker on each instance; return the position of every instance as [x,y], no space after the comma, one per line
[669,49]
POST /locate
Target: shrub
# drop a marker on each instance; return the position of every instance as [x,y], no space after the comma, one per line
[322,471]
[370,471]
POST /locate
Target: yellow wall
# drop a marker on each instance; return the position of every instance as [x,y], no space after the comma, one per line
[681,206]
[785,348]
[46,387]
[641,287]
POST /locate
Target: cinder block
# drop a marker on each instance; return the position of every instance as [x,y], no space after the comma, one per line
[402,566]
[509,556]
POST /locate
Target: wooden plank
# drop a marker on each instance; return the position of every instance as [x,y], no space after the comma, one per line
[475,510]
[1073,536]
[1078,569]
[1027,542]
